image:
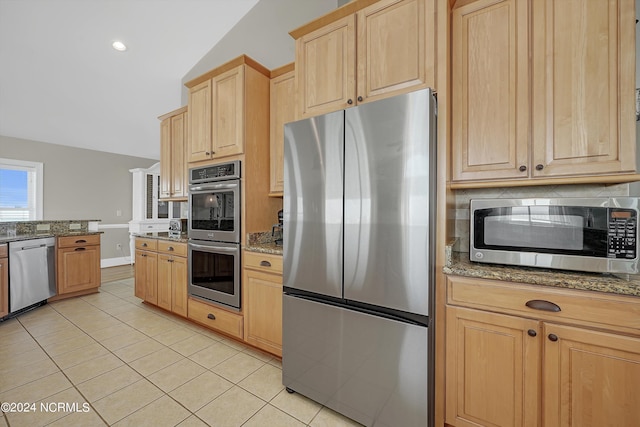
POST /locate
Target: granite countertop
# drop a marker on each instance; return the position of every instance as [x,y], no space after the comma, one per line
[164,235]
[264,243]
[460,265]
[21,237]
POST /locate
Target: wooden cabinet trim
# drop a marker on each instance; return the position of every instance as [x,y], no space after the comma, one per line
[277,72]
[240,60]
[524,182]
[345,10]
[4,251]
[170,114]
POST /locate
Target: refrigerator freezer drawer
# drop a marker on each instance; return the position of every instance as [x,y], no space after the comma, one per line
[369,368]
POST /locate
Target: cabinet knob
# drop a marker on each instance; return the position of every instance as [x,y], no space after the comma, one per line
[144,245]
[553,337]
[211,316]
[538,304]
[349,101]
[532,333]
[207,153]
[522,168]
[170,248]
[359,99]
[265,264]
[539,167]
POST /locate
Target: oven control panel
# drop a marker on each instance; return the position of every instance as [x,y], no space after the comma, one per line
[219,172]
[623,229]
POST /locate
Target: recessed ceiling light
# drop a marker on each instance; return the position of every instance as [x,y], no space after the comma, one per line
[118,45]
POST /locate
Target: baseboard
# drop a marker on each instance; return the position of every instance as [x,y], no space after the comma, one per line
[112,262]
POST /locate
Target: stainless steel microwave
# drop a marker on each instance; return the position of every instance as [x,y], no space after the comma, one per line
[585,234]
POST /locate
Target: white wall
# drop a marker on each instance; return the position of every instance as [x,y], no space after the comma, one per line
[263,34]
[83,184]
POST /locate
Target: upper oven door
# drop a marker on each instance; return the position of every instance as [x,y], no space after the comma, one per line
[214,211]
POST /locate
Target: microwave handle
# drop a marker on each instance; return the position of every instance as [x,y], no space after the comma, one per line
[215,248]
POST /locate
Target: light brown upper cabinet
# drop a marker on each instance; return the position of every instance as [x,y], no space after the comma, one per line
[173,146]
[221,103]
[543,89]
[283,110]
[363,51]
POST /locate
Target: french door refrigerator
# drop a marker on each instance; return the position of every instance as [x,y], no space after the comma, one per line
[358,260]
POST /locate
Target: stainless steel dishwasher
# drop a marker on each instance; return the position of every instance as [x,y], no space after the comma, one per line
[32,277]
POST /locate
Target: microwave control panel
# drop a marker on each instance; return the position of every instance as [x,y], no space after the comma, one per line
[623,230]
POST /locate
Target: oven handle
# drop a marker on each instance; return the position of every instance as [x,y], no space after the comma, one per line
[208,187]
[214,248]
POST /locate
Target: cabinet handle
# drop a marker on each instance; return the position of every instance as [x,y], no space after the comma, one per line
[349,101]
[522,168]
[81,241]
[539,167]
[169,260]
[207,153]
[143,255]
[538,304]
[532,333]
[80,249]
[359,99]
[211,316]
[170,248]
[553,337]
[144,245]
[265,264]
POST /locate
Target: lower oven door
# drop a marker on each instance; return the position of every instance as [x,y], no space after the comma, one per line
[214,272]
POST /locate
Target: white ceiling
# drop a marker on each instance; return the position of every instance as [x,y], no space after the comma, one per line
[61,81]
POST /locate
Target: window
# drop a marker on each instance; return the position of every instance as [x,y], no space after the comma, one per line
[20,190]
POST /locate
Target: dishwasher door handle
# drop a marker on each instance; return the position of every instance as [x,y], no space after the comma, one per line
[24,248]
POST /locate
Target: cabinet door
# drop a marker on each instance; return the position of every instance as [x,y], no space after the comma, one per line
[179,278]
[493,369]
[325,68]
[200,122]
[263,311]
[394,53]
[140,276]
[283,110]
[591,378]
[146,275]
[490,87]
[178,161]
[4,287]
[165,158]
[583,87]
[165,264]
[78,269]
[228,113]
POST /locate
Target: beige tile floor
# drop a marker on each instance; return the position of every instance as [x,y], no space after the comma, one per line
[108,359]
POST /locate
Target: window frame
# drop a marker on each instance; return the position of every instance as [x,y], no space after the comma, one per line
[30,167]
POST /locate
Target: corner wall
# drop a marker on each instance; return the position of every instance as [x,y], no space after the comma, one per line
[84,184]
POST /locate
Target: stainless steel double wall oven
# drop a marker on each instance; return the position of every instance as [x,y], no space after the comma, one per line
[214,233]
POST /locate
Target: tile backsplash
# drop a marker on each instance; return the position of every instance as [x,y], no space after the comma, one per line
[462,198]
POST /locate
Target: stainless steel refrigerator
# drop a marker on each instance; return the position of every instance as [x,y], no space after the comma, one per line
[359,203]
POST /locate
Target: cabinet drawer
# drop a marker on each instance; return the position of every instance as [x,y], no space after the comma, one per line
[263,262]
[4,251]
[72,241]
[172,248]
[146,244]
[215,318]
[589,308]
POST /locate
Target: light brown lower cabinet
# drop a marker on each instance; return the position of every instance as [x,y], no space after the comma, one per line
[161,274]
[78,264]
[4,281]
[508,364]
[262,300]
[215,317]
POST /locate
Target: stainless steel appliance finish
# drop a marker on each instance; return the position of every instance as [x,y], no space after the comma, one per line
[214,272]
[358,265]
[214,202]
[585,234]
[31,272]
[177,226]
